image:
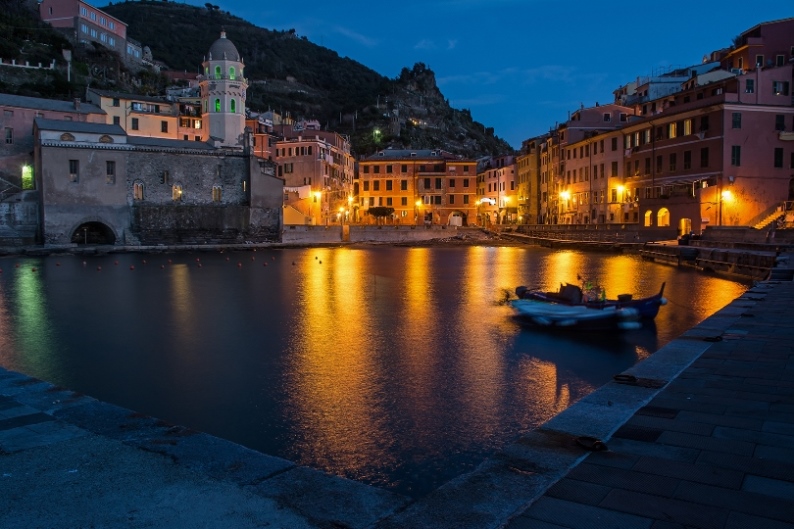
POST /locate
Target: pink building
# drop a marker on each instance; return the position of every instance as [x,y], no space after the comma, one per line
[86,23]
[16,121]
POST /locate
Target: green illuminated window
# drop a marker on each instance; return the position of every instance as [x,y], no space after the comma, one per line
[217,72]
[217,105]
[233,106]
[27,177]
[231,73]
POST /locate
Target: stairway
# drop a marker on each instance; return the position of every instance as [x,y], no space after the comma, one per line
[769,219]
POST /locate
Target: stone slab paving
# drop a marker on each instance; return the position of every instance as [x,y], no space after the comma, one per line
[69,461]
[701,434]
[713,449]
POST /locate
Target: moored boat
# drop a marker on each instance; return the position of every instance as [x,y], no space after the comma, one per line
[573,295]
[574,317]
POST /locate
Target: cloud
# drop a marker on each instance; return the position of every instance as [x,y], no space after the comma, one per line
[358,37]
[451,43]
[425,44]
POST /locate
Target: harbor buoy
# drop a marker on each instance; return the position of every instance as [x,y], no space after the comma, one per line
[132,267]
[98,268]
[169,261]
[253,258]
[227,258]
[263,264]
[162,267]
[239,265]
[197,259]
[115,263]
[144,261]
[84,263]
[199,265]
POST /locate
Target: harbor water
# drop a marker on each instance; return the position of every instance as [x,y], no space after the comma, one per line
[398,367]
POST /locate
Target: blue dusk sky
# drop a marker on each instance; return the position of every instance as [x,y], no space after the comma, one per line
[519,66]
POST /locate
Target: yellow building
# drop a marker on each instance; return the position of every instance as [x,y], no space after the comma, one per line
[152,117]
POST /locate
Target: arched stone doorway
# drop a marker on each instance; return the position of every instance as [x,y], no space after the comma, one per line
[93,233]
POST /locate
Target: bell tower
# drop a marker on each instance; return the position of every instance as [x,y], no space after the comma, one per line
[223,94]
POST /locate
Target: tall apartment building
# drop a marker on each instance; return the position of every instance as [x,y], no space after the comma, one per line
[528,182]
[421,186]
[497,191]
[318,170]
[85,23]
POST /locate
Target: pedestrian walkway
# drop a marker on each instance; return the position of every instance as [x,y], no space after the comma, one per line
[701,434]
[714,449]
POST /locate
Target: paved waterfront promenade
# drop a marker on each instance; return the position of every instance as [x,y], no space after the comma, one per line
[701,434]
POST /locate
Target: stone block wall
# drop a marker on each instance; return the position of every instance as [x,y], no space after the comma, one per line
[197,173]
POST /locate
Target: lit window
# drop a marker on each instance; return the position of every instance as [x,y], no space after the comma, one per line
[27,177]
[233,106]
[231,73]
[218,72]
[176,193]
[137,191]
[217,105]
[217,193]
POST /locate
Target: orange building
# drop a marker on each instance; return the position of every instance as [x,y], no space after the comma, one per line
[421,187]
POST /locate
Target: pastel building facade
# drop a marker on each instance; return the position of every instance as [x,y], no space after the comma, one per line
[85,23]
[423,187]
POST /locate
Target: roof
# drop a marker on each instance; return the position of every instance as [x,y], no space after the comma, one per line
[223,49]
[52,105]
[133,97]
[78,126]
[407,154]
[143,141]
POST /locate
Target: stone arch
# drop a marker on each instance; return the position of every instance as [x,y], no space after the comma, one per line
[67,137]
[456,218]
[648,218]
[663,217]
[105,139]
[93,230]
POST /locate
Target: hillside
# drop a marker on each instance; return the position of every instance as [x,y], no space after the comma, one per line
[288,73]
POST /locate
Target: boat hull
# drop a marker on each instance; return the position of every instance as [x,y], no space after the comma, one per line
[574,318]
[647,308]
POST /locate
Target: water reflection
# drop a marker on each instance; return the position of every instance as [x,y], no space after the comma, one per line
[396,366]
[335,382]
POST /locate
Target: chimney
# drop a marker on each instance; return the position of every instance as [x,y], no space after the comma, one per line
[77,103]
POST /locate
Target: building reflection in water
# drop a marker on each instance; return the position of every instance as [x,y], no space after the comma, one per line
[31,346]
[400,367]
[335,394]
